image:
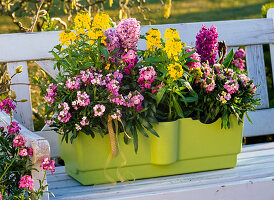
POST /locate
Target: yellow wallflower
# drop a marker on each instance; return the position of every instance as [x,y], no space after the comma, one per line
[67,37]
[102,21]
[175,71]
[153,39]
[107,66]
[96,34]
[173,44]
[82,20]
[171,33]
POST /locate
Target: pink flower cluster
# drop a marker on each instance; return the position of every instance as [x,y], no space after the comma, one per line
[112,43]
[128,31]
[51,93]
[84,121]
[246,83]
[19,141]
[209,78]
[195,56]
[231,86]
[73,83]
[116,114]
[13,128]
[240,53]
[91,76]
[99,110]
[238,61]
[82,99]
[64,114]
[147,77]
[7,105]
[207,44]
[48,164]
[26,182]
[130,59]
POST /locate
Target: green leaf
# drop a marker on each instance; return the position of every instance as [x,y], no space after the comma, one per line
[249,118]
[177,107]
[135,138]
[104,51]
[141,129]
[160,94]
[228,58]
[148,126]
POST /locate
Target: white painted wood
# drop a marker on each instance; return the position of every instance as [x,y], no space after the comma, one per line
[270,15]
[253,174]
[23,112]
[53,140]
[36,46]
[47,66]
[263,123]
[256,71]
[27,46]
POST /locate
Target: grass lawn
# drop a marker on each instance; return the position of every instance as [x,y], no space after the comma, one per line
[182,11]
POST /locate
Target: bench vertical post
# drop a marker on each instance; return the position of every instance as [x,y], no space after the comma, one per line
[23,112]
[270,14]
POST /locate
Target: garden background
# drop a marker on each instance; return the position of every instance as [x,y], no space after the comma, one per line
[182,11]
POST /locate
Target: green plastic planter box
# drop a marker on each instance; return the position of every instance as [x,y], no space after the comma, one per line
[184,146]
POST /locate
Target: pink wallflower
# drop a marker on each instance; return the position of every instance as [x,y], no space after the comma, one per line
[195,56]
[112,43]
[254,88]
[244,79]
[139,107]
[30,151]
[26,182]
[82,99]
[130,59]
[19,141]
[239,63]
[240,53]
[64,114]
[147,77]
[48,164]
[231,86]
[23,152]
[73,83]
[13,128]
[51,93]
[84,121]
[7,105]
[116,114]
[0,196]
[207,44]
[128,31]
[99,110]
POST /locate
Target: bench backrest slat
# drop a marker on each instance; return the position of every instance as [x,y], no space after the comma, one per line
[36,46]
[256,71]
[23,112]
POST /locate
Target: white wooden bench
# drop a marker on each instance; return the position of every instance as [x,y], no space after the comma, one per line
[255,171]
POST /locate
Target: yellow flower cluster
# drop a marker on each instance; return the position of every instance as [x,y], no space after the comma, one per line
[173,44]
[175,71]
[102,21]
[67,37]
[153,39]
[96,34]
[82,20]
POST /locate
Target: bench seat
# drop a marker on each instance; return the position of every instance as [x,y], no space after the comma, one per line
[252,179]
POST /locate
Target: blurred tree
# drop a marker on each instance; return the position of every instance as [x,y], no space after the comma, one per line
[39,11]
